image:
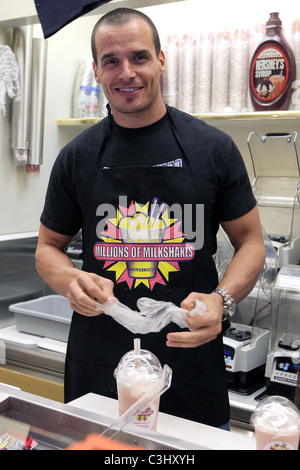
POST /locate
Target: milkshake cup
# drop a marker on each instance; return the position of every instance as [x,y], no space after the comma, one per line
[137,373]
[276,421]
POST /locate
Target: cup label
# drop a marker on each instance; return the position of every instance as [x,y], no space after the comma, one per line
[146,418]
[279,445]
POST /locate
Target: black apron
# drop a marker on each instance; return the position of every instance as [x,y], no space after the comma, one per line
[199,390]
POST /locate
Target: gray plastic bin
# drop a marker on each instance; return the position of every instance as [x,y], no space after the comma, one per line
[48,316]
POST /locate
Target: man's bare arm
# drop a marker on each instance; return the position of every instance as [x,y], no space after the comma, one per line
[247,263]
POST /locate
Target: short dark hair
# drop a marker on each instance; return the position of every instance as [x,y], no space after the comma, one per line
[121,16]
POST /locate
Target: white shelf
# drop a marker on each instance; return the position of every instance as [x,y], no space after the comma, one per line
[256,116]
[76,123]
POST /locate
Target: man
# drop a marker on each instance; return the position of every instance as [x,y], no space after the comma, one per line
[149,227]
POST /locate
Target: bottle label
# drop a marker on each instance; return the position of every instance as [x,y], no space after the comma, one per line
[269,74]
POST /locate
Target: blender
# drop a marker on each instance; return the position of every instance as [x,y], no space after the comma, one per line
[246,342]
[284,350]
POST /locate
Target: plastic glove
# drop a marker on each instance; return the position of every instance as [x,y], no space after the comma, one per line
[153,316]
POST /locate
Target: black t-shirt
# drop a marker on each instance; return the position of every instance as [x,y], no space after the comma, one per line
[217,163]
[153,145]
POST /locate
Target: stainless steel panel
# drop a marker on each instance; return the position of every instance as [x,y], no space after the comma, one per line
[47,362]
[54,425]
[19,279]
[22,47]
[38,101]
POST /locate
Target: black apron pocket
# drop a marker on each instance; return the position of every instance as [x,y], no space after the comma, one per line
[83,378]
[198,395]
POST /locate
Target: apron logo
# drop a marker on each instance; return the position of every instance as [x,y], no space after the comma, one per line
[141,243]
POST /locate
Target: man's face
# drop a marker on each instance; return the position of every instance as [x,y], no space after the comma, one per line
[129,69]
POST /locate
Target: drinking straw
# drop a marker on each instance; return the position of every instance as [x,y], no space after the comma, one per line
[137,351]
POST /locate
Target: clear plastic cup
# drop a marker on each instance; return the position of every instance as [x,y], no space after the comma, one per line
[276,421]
[137,373]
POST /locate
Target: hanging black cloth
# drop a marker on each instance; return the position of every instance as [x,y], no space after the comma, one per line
[55,14]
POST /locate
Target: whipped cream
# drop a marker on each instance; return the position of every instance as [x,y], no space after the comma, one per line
[138,374]
[276,417]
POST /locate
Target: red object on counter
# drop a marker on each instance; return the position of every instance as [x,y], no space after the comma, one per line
[97,442]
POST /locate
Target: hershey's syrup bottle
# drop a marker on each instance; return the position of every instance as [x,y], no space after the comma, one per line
[272,69]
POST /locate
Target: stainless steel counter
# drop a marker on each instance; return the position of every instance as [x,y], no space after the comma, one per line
[241,408]
[36,359]
[55,425]
[49,365]
[32,368]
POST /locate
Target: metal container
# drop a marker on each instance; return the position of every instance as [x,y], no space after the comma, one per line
[21,109]
[55,425]
[38,101]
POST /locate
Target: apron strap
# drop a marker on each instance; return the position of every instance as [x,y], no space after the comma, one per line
[100,153]
[184,153]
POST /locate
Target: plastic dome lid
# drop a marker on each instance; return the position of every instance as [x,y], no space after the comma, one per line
[276,413]
[139,359]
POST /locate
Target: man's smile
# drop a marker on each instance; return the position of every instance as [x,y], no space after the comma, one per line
[128,89]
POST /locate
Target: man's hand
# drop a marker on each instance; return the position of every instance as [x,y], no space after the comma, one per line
[87,291]
[205,327]
[241,275]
